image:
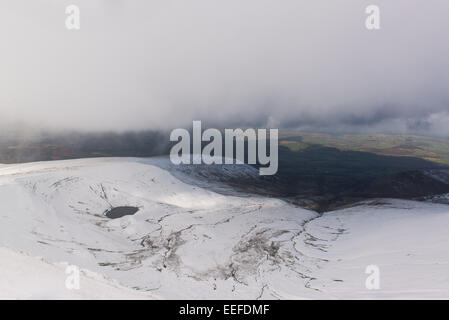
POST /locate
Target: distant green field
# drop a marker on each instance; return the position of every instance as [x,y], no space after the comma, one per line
[431,149]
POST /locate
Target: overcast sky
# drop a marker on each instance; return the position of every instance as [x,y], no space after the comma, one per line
[144,64]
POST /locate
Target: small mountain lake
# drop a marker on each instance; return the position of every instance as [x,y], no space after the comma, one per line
[119,212]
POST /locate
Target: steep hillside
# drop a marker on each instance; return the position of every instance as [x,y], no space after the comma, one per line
[25,277]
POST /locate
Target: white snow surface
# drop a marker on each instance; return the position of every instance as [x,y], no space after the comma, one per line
[25,277]
[187,242]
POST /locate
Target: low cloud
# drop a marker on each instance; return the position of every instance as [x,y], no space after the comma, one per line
[148,64]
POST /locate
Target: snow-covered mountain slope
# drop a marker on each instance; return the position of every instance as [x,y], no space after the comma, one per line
[187,241]
[25,277]
[407,240]
[229,179]
[184,242]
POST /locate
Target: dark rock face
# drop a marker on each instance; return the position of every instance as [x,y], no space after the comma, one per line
[406,185]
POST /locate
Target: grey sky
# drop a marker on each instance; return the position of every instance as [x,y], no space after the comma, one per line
[144,64]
